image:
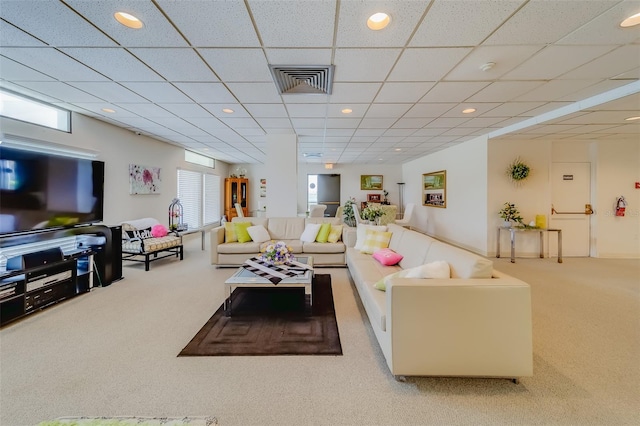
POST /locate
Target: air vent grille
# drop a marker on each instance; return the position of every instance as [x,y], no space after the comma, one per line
[303,79]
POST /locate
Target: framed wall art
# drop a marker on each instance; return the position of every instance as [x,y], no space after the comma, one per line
[371,182]
[434,189]
[373,198]
[143,179]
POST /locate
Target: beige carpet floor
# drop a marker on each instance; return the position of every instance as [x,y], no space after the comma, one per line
[113,352]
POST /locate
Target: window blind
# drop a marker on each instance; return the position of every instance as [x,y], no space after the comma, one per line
[199,194]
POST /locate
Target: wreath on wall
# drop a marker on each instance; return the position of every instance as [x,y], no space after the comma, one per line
[518,170]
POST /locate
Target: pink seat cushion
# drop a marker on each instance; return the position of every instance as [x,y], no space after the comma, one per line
[159,231]
[387,256]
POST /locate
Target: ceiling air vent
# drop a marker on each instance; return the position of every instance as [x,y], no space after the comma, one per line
[305,79]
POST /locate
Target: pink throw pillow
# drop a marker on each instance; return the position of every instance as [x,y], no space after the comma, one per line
[387,256]
[158,231]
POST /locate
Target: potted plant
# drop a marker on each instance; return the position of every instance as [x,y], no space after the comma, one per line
[510,213]
[518,170]
[348,216]
[372,213]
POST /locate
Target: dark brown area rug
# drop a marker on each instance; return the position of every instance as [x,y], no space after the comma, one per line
[268,321]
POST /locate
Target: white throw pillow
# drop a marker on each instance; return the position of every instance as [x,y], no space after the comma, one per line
[258,233]
[361,234]
[437,269]
[310,232]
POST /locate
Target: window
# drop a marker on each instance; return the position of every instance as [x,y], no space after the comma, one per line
[194,158]
[24,109]
[199,194]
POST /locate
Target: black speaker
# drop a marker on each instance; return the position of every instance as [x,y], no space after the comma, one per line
[116,253]
[37,258]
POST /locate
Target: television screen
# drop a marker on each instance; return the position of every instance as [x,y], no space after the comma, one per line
[40,191]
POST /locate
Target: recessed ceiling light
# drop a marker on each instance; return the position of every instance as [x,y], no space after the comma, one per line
[128,20]
[227,110]
[487,66]
[631,21]
[633,118]
[347,111]
[109,110]
[378,21]
[468,110]
[398,149]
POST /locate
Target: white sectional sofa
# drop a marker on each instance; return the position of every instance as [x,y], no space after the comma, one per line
[475,324]
[287,229]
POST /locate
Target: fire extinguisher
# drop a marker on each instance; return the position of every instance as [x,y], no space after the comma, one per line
[621,206]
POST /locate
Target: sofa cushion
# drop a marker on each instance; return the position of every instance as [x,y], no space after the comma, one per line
[387,257]
[285,228]
[258,233]
[335,234]
[375,240]
[323,233]
[464,264]
[437,269]
[251,248]
[316,247]
[241,231]
[310,232]
[361,234]
[155,244]
[414,246]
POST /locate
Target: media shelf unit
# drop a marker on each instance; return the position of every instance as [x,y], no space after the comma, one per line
[48,267]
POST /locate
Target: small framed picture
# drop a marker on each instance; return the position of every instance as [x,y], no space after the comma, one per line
[371,182]
[374,198]
[434,189]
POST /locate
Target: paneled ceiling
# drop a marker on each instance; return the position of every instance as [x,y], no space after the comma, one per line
[406,85]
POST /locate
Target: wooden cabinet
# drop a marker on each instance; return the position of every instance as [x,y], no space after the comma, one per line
[236,190]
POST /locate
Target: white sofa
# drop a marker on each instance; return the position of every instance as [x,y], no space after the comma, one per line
[287,229]
[476,324]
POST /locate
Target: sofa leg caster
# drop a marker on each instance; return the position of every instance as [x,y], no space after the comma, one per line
[516,381]
[401,379]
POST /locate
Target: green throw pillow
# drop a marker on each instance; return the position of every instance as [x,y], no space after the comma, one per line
[335,234]
[230,233]
[323,234]
[241,231]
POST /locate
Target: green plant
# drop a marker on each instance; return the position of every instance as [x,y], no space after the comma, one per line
[509,212]
[518,170]
[372,212]
[348,216]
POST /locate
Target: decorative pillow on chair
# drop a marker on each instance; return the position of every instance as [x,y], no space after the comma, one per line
[387,257]
[230,233]
[310,232]
[258,233]
[159,231]
[143,234]
[241,231]
[361,234]
[335,234]
[323,233]
[375,240]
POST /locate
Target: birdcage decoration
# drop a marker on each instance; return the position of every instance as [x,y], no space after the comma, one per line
[175,215]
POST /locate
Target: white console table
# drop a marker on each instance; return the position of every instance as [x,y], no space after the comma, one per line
[514,229]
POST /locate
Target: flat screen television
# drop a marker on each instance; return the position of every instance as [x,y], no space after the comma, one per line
[40,191]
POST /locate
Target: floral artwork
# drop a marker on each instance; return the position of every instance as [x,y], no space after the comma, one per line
[143,179]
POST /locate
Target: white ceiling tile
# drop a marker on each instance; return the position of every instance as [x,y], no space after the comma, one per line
[238,64]
[619,61]
[504,91]
[307,110]
[591,32]
[357,110]
[255,93]
[266,110]
[353,30]
[186,110]
[12,36]
[217,110]
[157,92]
[305,98]
[412,123]
[16,87]
[453,92]
[206,92]
[509,109]
[54,23]
[480,19]
[253,131]
[284,26]
[146,110]
[157,31]
[447,122]
[554,90]
[110,92]
[96,108]
[364,64]
[13,71]
[402,91]
[212,23]
[558,18]
[343,123]
[354,92]
[59,90]
[393,111]
[308,123]
[239,122]
[208,124]
[482,122]
[426,64]
[399,132]
[505,58]
[299,56]
[129,68]
[429,110]
[481,107]
[274,123]
[176,64]
[427,132]
[52,63]
[376,123]
[553,61]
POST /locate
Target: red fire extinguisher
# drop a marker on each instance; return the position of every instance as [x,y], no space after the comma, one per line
[621,206]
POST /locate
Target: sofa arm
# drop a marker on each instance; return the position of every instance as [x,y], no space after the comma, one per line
[217,238]
[349,235]
[460,327]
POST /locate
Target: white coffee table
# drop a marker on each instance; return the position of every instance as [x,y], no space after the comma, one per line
[245,278]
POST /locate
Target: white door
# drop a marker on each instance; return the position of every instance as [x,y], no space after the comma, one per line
[570,193]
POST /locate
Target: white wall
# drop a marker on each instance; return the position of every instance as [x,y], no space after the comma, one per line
[118,148]
[464,220]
